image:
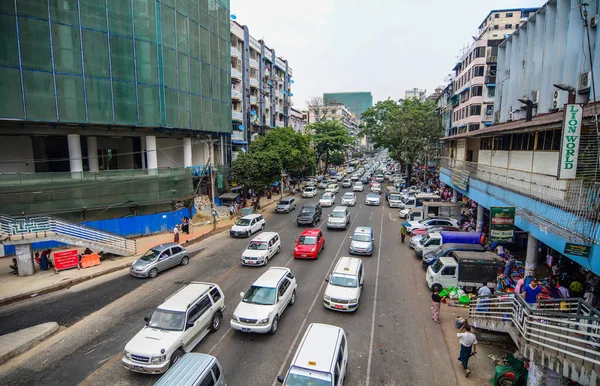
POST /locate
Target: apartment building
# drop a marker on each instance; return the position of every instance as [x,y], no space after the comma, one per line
[297,120]
[357,101]
[109,110]
[260,87]
[334,111]
[420,94]
[475,72]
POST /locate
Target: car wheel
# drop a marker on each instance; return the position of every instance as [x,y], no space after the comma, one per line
[215,323]
[262,227]
[248,233]
[293,298]
[274,325]
[278,250]
[436,288]
[153,272]
[313,223]
[185,260]
[266,262]
[176,357]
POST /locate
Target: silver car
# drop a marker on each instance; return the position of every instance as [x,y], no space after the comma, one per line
[158,259]
[285,205]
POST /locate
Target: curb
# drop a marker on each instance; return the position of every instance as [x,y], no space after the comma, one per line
[51,328]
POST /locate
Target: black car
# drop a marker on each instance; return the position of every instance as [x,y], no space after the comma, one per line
[309,214]
[364,179]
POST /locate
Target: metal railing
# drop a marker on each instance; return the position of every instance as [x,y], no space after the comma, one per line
[17,229]
[560,327]
[572,196]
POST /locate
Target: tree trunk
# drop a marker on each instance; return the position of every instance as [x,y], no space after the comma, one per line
[326,162]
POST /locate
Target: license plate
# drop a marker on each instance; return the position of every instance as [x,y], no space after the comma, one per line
[303,255]
[139,368]
[339,306]
[250,262]
[245,330]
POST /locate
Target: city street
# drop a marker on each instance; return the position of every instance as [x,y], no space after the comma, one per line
[392,340]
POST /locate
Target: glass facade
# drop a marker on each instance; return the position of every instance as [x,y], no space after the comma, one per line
[157,63]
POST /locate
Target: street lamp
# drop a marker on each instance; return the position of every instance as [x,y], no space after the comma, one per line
[570,89]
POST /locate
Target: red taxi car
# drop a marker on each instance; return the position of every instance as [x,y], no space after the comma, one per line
[309,244]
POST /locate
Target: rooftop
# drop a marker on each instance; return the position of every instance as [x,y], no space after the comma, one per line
[522,10]
[181,299]
[271,277]
[322,339]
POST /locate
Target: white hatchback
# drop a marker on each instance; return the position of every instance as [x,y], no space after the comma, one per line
[264,302]
[327,199]
[333,188]
[261,249]
[309,192]
[349,199]
[358,187]
[248,225]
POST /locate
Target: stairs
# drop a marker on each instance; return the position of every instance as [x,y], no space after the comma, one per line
[562,334]
[29,230]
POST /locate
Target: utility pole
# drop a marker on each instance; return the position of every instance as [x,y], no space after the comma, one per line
[212,176]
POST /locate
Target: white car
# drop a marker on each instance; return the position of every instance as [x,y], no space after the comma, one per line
[376,188]
[358,187]
[248,225]
[349,199]
[323,184]
[430,222]
[372,199]
[333,188]
[261,249]
[344,285]
[309,192]
[175,327]
[264,302]
[327,199]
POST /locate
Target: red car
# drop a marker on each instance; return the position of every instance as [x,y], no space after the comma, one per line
[309,244]
[436,229]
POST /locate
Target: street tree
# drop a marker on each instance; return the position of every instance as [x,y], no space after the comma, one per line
[256,171]
[410,130]
[337,158]
[329,137]
[318,108]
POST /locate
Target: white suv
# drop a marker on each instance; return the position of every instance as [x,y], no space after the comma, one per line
[264,302]
[175,327]
[261,249]
[247,225]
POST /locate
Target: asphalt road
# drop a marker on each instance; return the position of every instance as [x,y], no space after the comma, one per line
[392,340]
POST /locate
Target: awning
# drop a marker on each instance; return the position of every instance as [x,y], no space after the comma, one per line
[239,142]
[229,196]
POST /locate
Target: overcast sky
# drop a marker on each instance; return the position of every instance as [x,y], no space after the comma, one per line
[382,46]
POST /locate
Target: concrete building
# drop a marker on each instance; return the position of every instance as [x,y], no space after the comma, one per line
[357,102]
[260,87]
[475,72]
[415,93]
[108,109]
[334,111]
[297,120]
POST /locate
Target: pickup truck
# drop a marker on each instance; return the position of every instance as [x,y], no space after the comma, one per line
[463,269]
[434,240]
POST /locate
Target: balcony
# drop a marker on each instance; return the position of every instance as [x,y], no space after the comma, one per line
[253,99]
[236,74]
[279,124]
[267,103]
[254,82]
[490,79]
[279,109]
[253,63]
[235,53]
[236,94]
[237,116]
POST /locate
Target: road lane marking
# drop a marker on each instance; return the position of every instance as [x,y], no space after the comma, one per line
[317,296]
[97,372]
[220,340]
[393,219]
[374,304]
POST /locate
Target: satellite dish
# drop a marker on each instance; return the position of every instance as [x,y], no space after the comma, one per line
[233,17]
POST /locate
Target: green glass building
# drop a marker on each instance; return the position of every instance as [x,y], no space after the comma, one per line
[356,102]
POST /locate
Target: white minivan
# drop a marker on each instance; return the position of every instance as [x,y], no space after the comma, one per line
[321,358]
[345,285]
[261,249]
[248,225]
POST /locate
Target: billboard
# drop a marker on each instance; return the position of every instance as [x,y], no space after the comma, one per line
[66,259]
[502,224]
[569,146]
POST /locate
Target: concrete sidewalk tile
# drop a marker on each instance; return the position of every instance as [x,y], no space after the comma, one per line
[19,342]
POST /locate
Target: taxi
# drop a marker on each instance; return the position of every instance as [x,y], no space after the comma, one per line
[309,244]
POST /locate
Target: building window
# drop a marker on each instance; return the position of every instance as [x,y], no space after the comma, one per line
[549,140]
[486,143]
[491,91]
[523,141]
[473,126]
[475,110]
[496,15]
[479,52]
[496,27]
[502,142]
[478,71]
[509,14]
[476,91]
[508,26]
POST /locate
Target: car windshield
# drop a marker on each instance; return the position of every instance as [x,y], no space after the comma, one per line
[331,186]
[257,246]
[395,197]
[373,195]
[284,202]
[167,320]
[439,251]
[307,240]
[348,196]
[437,266]
[338,214]
[361,237]
[326,196]
[263,296]
[303,380]
[343,281]
[150,255]
[243,222]
[309,189]
[425,239]
[307,210]
[358,184]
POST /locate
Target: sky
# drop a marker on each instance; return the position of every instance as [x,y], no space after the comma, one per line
[382,46]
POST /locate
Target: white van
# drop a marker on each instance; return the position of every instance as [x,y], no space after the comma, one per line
[261,249]
[194,369]
[344,285]
[321,358]
[339,217]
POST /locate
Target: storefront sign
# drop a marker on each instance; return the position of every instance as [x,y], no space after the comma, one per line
[578,250]
[460,178]
[569,146]
[66,259]
[502,224]
[237,136]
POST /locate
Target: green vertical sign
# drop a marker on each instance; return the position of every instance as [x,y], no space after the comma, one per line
[502,224]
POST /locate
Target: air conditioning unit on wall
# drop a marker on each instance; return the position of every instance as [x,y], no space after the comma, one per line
[555,101]
[534,97]
[585,80]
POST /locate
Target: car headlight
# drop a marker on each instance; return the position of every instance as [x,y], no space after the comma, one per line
[264,321]
[353,300]
[328,298]
[234,318]
[370,248]
[158,359]
[314,249]
[127,354]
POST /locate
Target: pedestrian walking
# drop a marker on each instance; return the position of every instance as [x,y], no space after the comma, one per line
[436,302]
[176,234]
[231,210]
[215,216]
[468,347]
[403,233]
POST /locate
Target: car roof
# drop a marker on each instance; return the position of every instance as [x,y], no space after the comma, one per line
[363,230]
[349,194]
[347,265]
[182,299]
[252,216]
[264,236]
[166,245]
[323,339]
[310,232]
[187,371]
[310,205]
[271,277]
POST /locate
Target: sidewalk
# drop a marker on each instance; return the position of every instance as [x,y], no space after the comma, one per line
[18,342]
[14,288]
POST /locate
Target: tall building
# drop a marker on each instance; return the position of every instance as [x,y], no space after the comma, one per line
[297,120]
[475,72]
[356,102]
[415,93]
[260,87]
[108,106]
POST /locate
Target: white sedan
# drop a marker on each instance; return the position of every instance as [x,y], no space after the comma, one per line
[358,187]
[327,199]
[372,199]
[376,187]
[333,188]
[309,191]
[349,199]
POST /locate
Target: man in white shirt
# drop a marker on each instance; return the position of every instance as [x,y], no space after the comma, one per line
[468,346]
[482,303]
[176,234]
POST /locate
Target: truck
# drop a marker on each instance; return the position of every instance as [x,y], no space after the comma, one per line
[464,269]
[418,200]
[432,241]
[431,208]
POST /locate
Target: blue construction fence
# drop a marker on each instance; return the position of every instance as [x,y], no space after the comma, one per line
[128,227]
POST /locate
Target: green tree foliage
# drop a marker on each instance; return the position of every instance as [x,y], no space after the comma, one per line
[409,130]
[329,137]
[337,158]
[256,170]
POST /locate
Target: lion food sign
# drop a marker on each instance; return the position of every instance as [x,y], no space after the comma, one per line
[569,146]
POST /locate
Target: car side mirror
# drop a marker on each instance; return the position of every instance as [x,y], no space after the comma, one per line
[147,320]
[373,239]
[361,283]
[279,379]
[327,279]
[189,325]
[242,295]
[350,237]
